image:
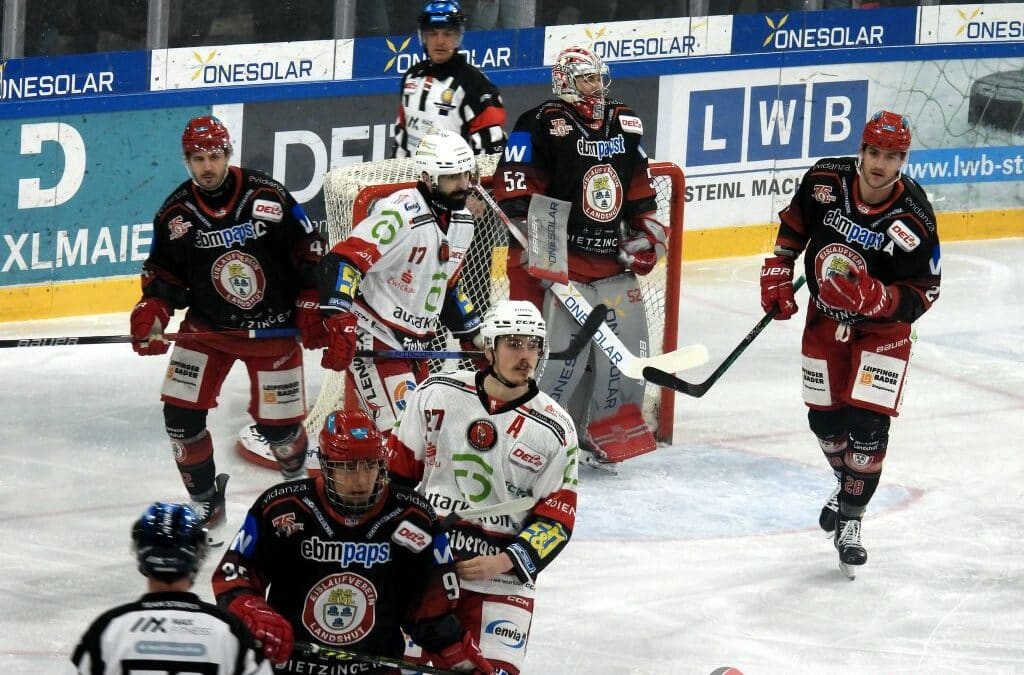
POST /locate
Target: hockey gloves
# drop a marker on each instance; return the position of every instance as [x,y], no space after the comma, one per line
[640,252]
[777,294]
[341,341]
[463,657]
[309,321]
[149,318]
[270,629]
[858,292]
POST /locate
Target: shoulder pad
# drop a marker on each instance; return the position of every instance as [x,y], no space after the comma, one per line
[840,164]
[258,178]
[298,487]
[631,124]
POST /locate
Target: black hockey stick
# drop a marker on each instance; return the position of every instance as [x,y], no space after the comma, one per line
[590,326]
[259,333]
[670,381]
[339,654]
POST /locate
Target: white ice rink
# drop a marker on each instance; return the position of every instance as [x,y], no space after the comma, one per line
[700,555]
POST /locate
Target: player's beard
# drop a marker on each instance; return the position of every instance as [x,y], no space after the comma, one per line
[452,201]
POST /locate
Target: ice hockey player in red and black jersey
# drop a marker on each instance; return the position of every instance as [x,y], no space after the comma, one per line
[873,266]
[445,91]
[348,560]
[585,149]
[234,247]
[169,629]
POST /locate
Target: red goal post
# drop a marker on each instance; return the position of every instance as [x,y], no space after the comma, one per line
[350,191]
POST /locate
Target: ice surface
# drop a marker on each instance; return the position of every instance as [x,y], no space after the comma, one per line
[701,555]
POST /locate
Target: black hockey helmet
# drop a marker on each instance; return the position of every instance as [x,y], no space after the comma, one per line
[442,14]
[169,542]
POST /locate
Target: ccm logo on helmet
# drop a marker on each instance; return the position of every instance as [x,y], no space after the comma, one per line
[531,460]
[265,210]
[411,537]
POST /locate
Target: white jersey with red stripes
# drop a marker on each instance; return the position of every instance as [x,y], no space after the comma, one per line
[469,450]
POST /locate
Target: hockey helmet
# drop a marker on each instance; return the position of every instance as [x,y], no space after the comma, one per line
[205,134]
[888,131]
[444,153]
[575,62]
[169,542]
[442,14]
[349,441]
[514,317]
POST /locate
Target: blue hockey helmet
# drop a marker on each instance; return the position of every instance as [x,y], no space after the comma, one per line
[442,14]
[169,542]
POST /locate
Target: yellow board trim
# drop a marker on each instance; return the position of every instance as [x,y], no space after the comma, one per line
[102,296]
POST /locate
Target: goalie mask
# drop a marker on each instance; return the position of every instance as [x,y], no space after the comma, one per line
[169,542]
[887,131]
[353,459]
[588,92]
[445,153]
[519,324]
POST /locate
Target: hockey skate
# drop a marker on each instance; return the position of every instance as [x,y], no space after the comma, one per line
[597,460]
[212,512]
[847,542]
[827,518]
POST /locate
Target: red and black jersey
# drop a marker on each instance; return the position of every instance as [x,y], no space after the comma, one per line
[897,241]
[603,172]
[453,95]
[342,581]
[236,257]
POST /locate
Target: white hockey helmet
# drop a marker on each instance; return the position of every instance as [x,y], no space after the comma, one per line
[573,62]
[514,317]
[444,153]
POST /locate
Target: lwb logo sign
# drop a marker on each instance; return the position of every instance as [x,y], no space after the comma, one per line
[773,122]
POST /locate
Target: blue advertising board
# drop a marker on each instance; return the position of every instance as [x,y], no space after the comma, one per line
[74,76]
[816,31]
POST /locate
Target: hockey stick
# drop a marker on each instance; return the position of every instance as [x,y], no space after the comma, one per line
[339,654]
[169,337]
[589,327]
[607,341]
[501,509]
[669,381]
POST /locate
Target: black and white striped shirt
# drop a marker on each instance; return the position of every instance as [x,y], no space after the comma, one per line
[172,633]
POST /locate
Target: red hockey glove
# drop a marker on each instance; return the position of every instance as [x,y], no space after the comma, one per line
[341,341]
[464,657]
[309,320]
[269,628]
[777,287]
[148,320]
[858,292]
[640,252]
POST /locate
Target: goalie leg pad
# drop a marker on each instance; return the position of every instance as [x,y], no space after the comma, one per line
[622,435]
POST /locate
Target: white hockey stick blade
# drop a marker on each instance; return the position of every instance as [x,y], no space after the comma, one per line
[629,364]
[501,509]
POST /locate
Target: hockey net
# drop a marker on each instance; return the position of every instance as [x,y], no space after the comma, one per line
[350,191]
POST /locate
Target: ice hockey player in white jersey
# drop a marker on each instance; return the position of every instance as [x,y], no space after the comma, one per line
[473,439]
[397,276]
[169,629]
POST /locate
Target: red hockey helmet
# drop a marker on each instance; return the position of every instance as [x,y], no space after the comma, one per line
[888,131]
[350,444]
[205,134]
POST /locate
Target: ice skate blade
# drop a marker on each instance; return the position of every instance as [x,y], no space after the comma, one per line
[609,468]
[849,570]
